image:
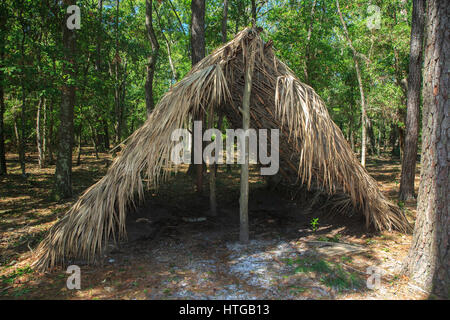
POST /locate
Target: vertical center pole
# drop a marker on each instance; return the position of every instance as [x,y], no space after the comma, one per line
[243,201]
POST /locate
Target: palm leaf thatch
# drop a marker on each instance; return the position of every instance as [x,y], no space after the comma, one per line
[313,150]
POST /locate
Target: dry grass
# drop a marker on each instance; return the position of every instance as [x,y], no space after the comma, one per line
[312,149]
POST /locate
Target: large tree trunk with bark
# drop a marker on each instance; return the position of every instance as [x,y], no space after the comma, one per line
[63,173]
[428,260]
[413,102]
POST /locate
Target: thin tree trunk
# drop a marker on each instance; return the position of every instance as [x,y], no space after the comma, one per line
[79,144]
[238,16]
[50,143]
[117,111]
[212,175]
[428,262]
[197,54]
[94,139]
[361,89]
[169,49]
[44,131]
[41,159]
[224,21]
[413,102]
[308,41]
[253,13]
[99,36]
[213,167]
[63,172]
[105,134]
[23,107]
[3,17]
[16,132]
[243,201]
[152,57]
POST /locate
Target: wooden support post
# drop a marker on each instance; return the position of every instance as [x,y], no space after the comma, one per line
[212,174]
[243,201]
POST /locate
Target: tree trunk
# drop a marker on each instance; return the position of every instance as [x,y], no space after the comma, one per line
[361,89]
[253,13]
[152,58]
[80,130]
[308,42]
[212,175]
[41,159]
[3,17]
[23,107]
[117,106]
[243,201]
[213,167]
[413,102]
[224,21]
[94,139]
[44,131]
[168,46]
[428,260]
[99,36]
[105,134]
[50,140]
[63,172]
[197,54]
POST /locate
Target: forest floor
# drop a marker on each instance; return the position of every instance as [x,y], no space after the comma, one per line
[175,250]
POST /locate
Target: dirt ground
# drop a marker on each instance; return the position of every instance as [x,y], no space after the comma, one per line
[176,250]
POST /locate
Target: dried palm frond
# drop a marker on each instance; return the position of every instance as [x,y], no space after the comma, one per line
[312,149]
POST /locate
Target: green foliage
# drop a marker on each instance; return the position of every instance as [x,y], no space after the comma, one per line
[334,238]
[330,274]
[314,224]
[10,278]
[312,45]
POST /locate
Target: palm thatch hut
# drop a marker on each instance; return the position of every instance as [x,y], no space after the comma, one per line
[313,150]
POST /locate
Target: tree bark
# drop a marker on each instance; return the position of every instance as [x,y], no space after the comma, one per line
[413,102]
[41,158]
[224,21]
[63,173]
[253,13]
[80,131]
[117,105]
[152,58]
[50,140]
[93,138]
[3,17]
[308,42]
[428,260]
[197,54]
[22,134]
[99,36]
[212,175]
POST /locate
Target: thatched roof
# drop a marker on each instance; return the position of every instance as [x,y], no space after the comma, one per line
[312,149]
